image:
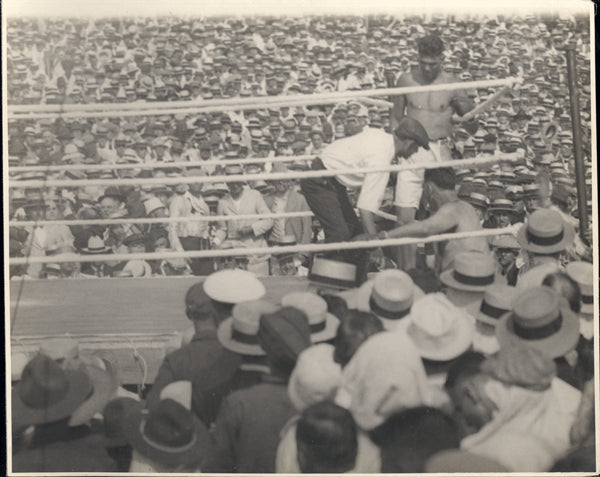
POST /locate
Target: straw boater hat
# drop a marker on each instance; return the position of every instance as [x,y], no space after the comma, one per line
[583,274]
[47,393]
[473,271]
[333,273]
[540,319]
[95,246]
[478,200]
[323,325]
[496,302]
[390,296]
[545,233]
[506,242]
[502,205]
[238,333]
[233,286]
[439,330]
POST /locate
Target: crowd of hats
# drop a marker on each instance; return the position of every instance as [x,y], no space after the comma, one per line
[397,342]
[109,59]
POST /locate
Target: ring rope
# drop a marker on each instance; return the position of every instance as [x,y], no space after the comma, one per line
[235,104]
[308,248]
[162,165]
[505,157]
[164,220]
[169,220]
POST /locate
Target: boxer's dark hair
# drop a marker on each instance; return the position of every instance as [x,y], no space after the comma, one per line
[430,45]
[443,177]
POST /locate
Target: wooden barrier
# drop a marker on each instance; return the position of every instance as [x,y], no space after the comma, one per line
[111,316]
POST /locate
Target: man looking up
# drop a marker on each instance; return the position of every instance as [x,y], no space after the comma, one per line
[434,111]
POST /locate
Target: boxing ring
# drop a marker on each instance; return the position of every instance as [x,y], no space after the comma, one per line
[123,318]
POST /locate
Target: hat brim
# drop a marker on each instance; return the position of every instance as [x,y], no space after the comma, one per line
[80,387]
[105,384]
[224,334]
[464,332]
[447,278]
[558,344]
[193,454]
[568,237]
[501,209]
[87,251]
[331,326]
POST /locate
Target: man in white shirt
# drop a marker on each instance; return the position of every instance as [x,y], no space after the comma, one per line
[328,197]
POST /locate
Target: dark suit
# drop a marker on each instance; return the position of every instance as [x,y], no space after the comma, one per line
[58,448]
[248,426]
[210,367]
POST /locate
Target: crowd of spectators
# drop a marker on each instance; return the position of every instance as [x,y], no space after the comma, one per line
[485,367]
[172,59]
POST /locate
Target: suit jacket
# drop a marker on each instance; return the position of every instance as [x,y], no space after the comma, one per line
[210,367]
[251,202]
[248,427]
[66,450]
[299,227]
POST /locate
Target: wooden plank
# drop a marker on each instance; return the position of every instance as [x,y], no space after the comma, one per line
[113,315]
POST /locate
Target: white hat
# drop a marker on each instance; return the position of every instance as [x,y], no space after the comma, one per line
[152,204]
[239,332]
[583,274]
[472,271]
[385,376]
[323,325]
[496,302]
[315,378]
[333,273]
[179,391]
[234,286]
[390,296]
[440,330]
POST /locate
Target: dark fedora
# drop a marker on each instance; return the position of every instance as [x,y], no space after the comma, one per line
[113,192]
[47,393]
[114,415]
[169,434]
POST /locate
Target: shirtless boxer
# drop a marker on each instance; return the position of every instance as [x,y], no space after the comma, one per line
[434,111]
[450,215]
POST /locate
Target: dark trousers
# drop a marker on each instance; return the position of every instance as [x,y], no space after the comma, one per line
[328,200]
[199,266]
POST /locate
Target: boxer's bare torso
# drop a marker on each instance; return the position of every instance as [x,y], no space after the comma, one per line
[433,109]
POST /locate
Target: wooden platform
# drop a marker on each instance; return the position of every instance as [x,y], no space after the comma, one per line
[111,317]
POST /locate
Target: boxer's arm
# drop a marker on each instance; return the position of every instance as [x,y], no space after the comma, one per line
[443,220]
[460,102]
